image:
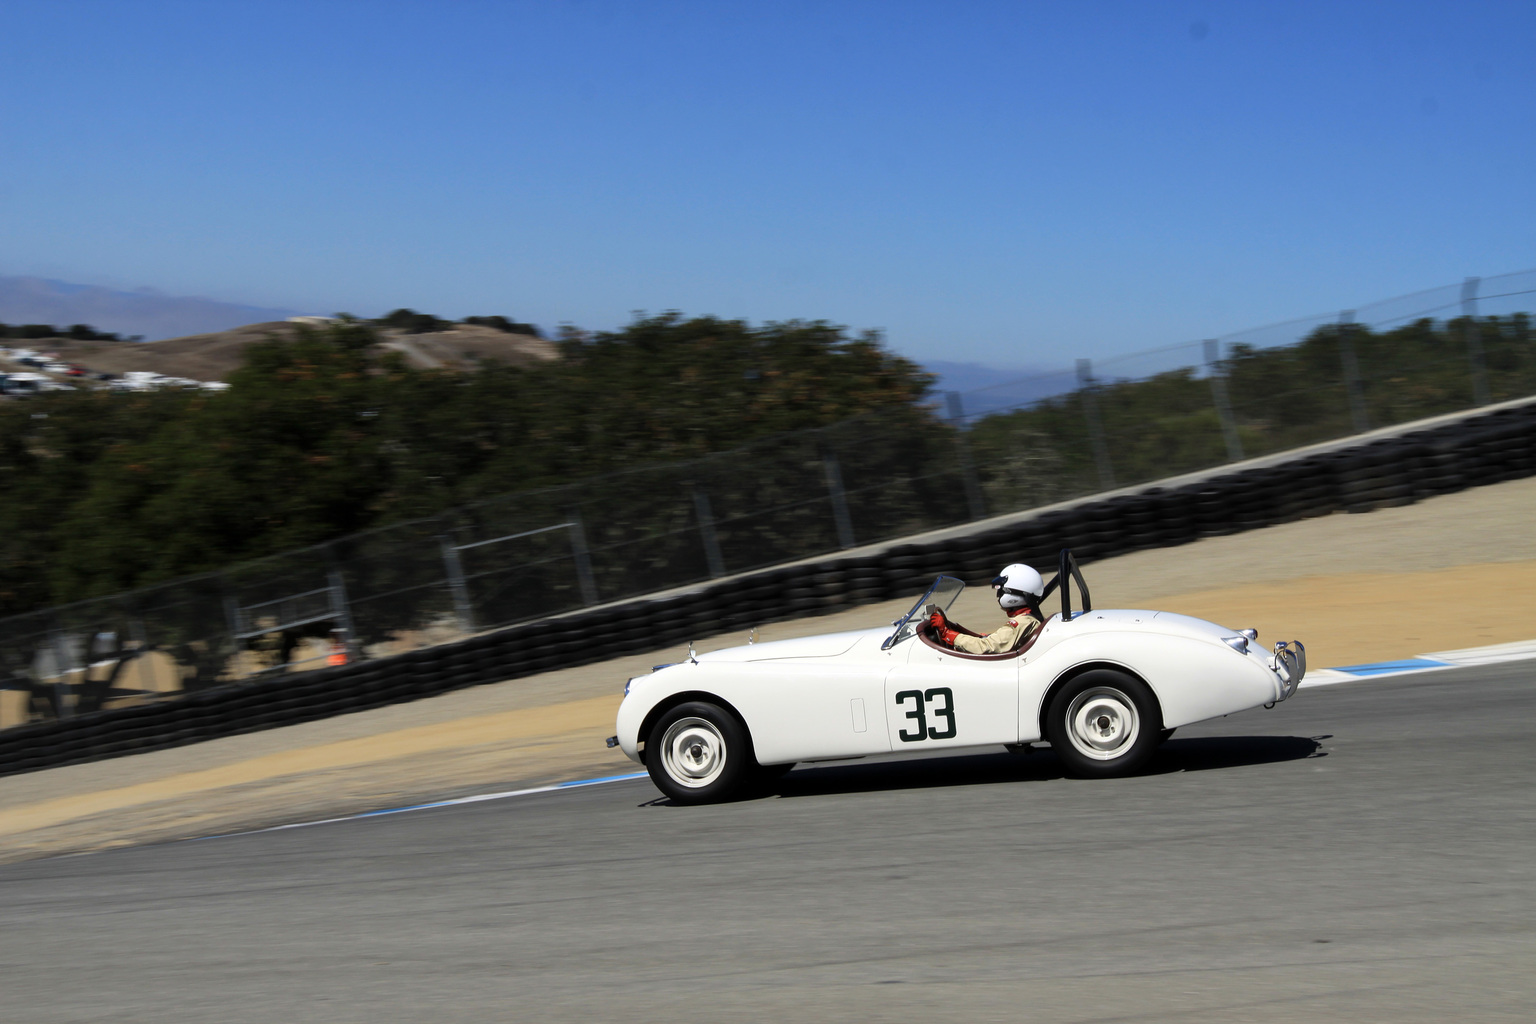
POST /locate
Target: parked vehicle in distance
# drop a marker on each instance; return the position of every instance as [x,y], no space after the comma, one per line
[1105,688]
[24,384]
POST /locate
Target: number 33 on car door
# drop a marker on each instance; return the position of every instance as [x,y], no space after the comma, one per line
[939,703]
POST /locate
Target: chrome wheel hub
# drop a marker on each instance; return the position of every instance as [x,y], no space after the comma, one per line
[693,752]
[1102,723]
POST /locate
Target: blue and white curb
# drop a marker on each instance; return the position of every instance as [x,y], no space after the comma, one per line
[1492,655]
[455,802]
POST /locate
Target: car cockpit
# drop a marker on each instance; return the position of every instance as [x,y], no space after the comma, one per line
[947,589]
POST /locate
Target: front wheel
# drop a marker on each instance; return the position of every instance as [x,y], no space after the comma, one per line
[698,753]
[1104,723]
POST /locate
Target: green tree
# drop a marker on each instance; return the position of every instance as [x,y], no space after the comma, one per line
[323,434]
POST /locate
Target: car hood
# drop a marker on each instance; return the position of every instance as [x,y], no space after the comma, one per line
[827,645]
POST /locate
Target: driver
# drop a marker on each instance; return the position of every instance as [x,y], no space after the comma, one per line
[1019,589]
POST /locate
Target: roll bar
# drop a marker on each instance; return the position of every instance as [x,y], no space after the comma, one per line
[1067,573]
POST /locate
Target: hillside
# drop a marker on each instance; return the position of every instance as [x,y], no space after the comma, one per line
[215,356]
[144,311]
[463,346]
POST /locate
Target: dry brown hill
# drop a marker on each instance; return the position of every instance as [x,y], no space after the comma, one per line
[464,346]
[215,356]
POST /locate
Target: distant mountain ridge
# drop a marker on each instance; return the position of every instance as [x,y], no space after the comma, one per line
[189,321]
[986,389]
[39,300]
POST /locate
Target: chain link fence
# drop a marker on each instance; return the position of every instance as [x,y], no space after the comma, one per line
[533,554]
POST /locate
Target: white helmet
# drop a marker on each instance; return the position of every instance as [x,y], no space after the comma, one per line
[1018,586]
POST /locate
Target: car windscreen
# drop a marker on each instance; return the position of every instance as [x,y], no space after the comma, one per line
[943,593]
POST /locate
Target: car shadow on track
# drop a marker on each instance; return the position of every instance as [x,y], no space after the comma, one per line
[1177,755]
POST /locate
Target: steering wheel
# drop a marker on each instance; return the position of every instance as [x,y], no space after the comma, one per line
[930,630]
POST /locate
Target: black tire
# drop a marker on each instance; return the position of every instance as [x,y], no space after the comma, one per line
[1104,723]
[1165,736]
[698,753]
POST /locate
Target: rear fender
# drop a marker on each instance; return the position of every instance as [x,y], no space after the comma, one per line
[1193,679]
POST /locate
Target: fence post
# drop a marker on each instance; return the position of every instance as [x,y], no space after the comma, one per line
[456,585]
[839,498]
[1217,374]
[136,631]
[1480,394]
[1352,383]
[707,533]
[64,661]
[232,616]
[342,610]
[583,560]
[1088,388]
[967,468]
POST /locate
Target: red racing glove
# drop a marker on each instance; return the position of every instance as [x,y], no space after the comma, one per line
[948,635]
[936,620]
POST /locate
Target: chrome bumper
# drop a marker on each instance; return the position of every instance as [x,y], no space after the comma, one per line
[1290,664]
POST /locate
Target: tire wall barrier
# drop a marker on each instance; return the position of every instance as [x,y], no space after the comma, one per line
[1399,470]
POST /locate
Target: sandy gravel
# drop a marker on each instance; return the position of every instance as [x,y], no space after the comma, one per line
[1455,571]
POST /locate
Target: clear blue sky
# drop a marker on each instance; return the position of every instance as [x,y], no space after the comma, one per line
[1010,183]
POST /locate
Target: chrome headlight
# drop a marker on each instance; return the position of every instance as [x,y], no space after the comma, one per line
[1290,663]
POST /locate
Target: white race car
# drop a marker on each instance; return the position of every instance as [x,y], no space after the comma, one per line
[1105,688]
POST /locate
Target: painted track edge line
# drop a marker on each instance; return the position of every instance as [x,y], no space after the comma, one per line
[454,802]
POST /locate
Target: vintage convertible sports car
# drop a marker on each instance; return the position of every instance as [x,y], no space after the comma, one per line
[1105,688]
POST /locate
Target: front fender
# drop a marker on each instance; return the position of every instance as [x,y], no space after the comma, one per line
[793,712]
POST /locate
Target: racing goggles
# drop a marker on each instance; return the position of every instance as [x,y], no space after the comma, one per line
[998,586]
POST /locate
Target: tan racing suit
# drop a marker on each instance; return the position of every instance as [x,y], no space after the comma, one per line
[1007,637]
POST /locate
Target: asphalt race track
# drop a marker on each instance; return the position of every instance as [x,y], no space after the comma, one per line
[1363,852]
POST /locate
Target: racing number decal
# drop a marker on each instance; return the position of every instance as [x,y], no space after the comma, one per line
[916,714]
[919,714]
[947,713]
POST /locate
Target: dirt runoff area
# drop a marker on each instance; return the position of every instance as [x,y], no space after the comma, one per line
[1452,572]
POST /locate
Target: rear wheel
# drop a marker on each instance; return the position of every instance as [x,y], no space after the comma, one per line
[698,753]
[1104,723]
